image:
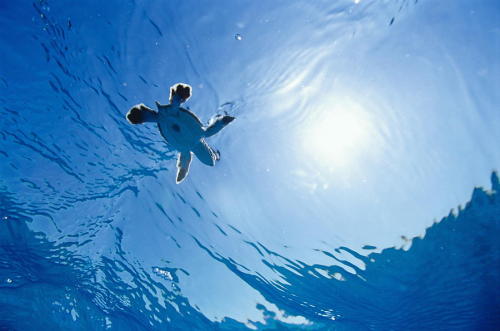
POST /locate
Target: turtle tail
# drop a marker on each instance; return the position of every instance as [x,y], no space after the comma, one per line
[180,93]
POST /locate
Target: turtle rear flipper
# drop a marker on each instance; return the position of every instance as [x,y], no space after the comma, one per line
[141,114]
[205,153]
[183,162]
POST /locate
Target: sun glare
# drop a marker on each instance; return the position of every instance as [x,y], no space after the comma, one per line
[336,134]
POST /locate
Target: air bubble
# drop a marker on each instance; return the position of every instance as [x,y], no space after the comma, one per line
[238,37]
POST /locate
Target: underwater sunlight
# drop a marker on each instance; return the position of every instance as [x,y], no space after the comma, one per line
[337,133]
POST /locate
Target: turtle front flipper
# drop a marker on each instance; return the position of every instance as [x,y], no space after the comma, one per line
[205,153]
[183,162]
[141,114]
[217,123]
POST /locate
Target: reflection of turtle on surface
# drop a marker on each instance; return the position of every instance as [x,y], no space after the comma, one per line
[181,128]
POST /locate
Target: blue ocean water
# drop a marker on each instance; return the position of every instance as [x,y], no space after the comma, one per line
[359,125]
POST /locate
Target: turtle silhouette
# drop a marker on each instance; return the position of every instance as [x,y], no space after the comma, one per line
[181,128]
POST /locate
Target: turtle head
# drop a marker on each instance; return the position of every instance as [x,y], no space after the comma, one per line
[179,93]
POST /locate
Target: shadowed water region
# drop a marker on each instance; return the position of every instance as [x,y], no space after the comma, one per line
[359,124]
[446,279]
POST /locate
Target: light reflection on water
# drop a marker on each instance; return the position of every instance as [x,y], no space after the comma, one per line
[338,133]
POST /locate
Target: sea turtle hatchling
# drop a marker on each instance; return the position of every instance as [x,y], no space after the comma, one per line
[181,128]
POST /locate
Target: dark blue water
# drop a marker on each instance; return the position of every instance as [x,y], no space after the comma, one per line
[359,125]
